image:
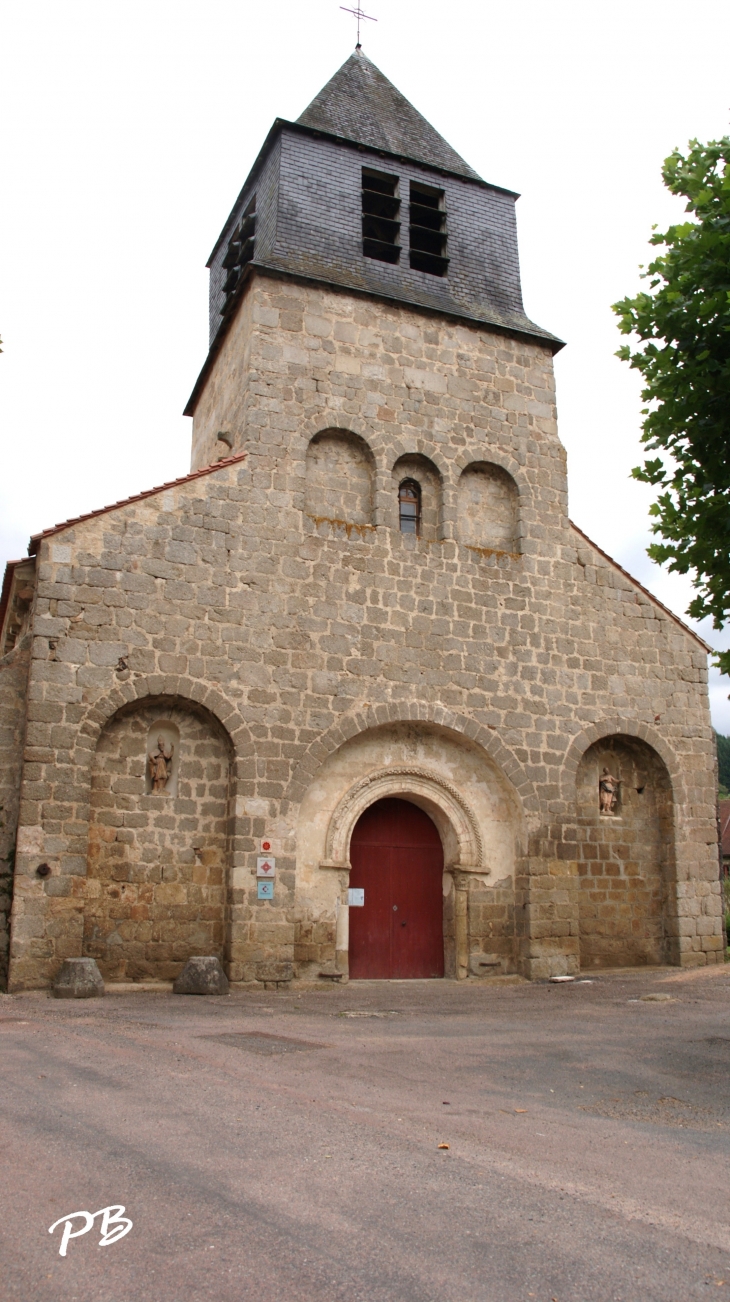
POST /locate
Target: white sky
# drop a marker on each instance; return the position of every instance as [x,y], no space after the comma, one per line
[128,129]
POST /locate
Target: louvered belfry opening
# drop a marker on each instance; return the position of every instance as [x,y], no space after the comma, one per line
[240,250]
[380,212]
[427,230]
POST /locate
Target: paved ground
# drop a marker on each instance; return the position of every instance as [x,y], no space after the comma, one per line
[588,1133]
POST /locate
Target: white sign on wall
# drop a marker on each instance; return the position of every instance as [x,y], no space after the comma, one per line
[356,897]
[265,866]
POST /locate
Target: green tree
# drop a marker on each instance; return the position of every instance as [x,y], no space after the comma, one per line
[723,760]
[682,324]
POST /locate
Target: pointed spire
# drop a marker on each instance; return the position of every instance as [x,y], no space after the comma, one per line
[361,105]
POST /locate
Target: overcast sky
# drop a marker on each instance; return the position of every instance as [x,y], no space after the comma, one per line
[128,129]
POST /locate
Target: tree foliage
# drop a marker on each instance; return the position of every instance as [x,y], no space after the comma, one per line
[682,323]
[723,760]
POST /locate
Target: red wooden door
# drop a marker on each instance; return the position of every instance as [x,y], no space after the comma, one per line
[397,859]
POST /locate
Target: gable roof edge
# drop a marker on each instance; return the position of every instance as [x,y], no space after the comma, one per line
[654,600]
[37,538]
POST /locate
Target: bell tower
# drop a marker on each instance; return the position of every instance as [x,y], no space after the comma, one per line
[362,196]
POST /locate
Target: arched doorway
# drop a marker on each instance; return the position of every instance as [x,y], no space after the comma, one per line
[398,860]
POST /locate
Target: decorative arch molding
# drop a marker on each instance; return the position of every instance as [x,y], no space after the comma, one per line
[418,447]
[452,814]
[338,424]
[497,457]
[387,449]
[379,716]
[160,688]
[617,727]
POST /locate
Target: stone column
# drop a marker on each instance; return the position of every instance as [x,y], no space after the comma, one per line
[547,918]
[342,933]
[342,915]
[461,923]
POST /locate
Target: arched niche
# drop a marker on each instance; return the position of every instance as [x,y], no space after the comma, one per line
[157,865]
[414,466]
[340,478]
[488,508]
[626,856]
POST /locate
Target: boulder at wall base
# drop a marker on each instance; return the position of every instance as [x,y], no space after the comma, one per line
[79,978]
[201,976]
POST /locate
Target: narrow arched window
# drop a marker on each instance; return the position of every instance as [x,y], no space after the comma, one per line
[409,506]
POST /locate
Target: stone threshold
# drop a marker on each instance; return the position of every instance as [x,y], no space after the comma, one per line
[133,987]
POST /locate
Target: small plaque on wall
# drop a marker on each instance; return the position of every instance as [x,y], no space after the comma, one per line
[266,890]
[356,897]
[265,866]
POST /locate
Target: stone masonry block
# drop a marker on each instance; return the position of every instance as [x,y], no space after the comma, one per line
[79,978]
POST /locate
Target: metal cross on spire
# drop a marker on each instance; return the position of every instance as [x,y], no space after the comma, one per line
[359,14]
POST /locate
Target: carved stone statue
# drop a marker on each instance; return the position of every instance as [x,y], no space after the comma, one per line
[608,790]
[160,762]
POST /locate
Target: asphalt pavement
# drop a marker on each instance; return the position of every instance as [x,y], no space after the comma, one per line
[287,1146]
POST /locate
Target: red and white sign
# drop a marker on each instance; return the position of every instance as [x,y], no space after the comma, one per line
[265,866]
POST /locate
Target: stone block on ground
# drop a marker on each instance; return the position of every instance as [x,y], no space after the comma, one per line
[202,975]
[79,978]
[275,971]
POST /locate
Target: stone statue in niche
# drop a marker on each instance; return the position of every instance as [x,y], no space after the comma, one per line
[608,792]
[160,762]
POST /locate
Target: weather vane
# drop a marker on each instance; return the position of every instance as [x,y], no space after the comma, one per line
[359,14]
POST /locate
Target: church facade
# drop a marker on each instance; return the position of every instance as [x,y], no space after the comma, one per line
[354,698]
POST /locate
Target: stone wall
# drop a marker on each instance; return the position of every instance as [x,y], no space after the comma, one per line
[157,881]
[300,635]
[13,692]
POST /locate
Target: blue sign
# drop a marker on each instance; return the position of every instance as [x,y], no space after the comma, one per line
[266,889]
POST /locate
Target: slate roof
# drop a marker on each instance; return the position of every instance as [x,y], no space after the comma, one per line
[360,104]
